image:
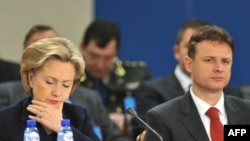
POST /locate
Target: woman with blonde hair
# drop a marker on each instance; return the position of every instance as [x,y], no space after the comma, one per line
[51,69]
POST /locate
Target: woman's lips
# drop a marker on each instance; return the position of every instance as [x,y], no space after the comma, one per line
[53,101]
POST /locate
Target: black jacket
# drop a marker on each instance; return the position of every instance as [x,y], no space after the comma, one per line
[179,120]
[13,122]
[157,91]
[9,71]
[12,92]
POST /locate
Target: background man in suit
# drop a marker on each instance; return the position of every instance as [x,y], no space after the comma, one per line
[157,91]
[112,78]
[9,71]
[11,92]
[209,60]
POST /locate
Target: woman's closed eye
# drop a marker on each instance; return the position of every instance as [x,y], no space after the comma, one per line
[49,82]
[67,84]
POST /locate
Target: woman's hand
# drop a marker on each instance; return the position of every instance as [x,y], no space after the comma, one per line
[46,115]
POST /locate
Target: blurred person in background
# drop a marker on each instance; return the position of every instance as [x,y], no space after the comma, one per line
[112,78]
[9,71]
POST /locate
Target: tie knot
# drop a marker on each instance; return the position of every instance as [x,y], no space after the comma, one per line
[213,113]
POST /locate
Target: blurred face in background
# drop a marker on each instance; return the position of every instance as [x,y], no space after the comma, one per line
[41,35]
[180,50]
[99,61]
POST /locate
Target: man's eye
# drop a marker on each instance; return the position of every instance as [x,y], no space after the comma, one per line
[208,60]
[226,62]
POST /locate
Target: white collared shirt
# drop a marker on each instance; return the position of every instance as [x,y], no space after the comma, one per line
[202,108]
[183,78]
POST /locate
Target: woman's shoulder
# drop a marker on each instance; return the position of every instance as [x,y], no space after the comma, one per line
[12,114]
[13,108]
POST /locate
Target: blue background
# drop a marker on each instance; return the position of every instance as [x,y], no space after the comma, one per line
[148,29]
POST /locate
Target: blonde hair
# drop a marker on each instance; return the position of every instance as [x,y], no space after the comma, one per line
[57,48]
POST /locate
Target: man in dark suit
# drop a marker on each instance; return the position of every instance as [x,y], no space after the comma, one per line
[9,71]
[209,61]
[157,91]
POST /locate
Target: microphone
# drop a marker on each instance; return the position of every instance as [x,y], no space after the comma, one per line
[132,112]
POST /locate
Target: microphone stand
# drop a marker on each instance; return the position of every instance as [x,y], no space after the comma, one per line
[132,112]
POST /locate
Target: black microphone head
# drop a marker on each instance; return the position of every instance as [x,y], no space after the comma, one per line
[131,111]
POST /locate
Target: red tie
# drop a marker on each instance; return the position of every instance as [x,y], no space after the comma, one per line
[216,128]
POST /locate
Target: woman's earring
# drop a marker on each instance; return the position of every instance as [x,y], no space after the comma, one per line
[31,86]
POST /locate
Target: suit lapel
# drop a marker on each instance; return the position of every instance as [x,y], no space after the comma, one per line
[233,112]
[191,119]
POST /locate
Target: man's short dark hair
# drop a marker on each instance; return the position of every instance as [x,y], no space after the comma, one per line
[102,32]
[209,33]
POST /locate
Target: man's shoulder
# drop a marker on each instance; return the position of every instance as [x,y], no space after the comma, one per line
[134,64]
[134,68]
[11,84]
[13,109]
[161,80]
[84,96]
[238,101]
[9,64]
[170,106]
[74,109]
[127,75]
[85,91]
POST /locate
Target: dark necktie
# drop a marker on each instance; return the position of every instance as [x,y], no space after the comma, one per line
[102,90]
[216,127]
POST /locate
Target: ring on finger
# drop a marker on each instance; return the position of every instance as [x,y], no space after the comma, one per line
[39,116]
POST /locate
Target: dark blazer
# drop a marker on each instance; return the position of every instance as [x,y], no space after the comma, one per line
[179,120]
[11,92]
[9,71]
[156,91]
[13,122]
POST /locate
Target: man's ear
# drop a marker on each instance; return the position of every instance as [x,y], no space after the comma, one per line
[81,47]
[176,50]
[188,64]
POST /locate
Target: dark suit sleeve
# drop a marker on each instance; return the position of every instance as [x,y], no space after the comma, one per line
[110,131]
[153,119]
[4,99]
[9,71]
[146,98]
